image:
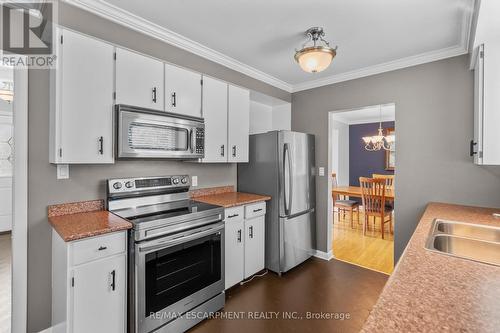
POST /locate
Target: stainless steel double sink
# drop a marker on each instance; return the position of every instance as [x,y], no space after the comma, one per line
[465,240]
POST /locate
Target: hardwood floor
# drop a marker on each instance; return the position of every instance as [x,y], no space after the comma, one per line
[5,282]
[316,286]
[370,251]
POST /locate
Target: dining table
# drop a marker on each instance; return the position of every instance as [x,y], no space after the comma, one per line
[355,191]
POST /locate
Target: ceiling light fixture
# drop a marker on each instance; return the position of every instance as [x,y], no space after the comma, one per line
[379,141]
[315,58]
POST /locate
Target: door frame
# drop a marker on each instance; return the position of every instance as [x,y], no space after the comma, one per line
[20,203]
[330,217]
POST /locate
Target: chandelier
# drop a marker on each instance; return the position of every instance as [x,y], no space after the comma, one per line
[379,141]
[6,92]
[315,58]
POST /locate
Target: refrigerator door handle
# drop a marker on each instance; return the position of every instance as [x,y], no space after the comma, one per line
[287,196]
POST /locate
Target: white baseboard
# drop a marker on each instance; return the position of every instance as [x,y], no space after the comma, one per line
[323,255]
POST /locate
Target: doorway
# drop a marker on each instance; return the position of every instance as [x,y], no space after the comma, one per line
[13,197]
[355,228]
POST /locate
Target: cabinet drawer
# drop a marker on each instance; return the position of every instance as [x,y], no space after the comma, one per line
[97,247]
[255,210]
[234,214]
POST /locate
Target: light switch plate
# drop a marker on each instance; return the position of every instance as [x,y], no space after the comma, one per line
[194,181]
[62,171]
[321,171]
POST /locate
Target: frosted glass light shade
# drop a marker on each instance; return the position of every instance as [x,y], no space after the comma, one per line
[315,59]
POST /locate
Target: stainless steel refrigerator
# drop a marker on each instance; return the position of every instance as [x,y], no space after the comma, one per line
[282,165]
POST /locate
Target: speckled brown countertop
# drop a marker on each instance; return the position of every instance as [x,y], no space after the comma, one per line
[84,219]
[232,199]
[431,292]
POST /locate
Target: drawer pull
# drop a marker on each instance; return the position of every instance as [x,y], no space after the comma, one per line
[234,215]
[239,236]
[257,210]
[102,248]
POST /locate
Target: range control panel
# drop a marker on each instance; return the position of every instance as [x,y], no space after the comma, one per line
[123,185]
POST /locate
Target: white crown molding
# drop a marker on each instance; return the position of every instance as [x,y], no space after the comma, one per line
[382,68]
[125,18]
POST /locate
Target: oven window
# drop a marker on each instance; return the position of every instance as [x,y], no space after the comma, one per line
[177,272]
[157,137]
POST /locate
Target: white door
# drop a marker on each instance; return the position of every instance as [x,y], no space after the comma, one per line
[182,91]
[215,114]
[238,123]
[139,80]
[234,252]
[98,296]
[254,245]
[85,97]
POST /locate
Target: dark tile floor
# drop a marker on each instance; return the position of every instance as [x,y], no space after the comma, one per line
[316,286]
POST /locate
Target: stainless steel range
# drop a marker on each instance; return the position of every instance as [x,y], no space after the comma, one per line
[176,253]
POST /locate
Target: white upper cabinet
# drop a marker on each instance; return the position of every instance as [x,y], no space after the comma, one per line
[81,127]
[139,80]
[238,123]
[215,114]
[486,144]
[182,91]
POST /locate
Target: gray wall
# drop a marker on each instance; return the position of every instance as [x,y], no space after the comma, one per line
[87,181]
[434,120]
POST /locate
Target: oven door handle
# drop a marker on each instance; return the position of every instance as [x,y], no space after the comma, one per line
[181,239]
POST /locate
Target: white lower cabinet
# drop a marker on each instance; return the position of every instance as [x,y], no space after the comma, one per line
[89,283]
[244,242]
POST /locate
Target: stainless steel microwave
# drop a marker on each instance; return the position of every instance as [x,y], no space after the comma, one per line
[145,133]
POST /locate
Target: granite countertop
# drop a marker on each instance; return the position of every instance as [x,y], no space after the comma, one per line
[84,219]
[432,292]
[227,197]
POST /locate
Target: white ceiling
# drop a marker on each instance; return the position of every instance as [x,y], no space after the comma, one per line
[259,37]
[366,115]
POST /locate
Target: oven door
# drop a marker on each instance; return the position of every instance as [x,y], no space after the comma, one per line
[175,274]
[153,134]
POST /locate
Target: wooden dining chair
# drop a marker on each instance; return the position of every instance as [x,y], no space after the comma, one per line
[389,180]
[373,196]
[344,205]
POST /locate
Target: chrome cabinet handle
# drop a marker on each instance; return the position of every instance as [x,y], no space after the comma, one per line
[101,145]
[174,99]
[234,151]
[251,231]
[239,236]
[113,280]
[222,150]
[154,94]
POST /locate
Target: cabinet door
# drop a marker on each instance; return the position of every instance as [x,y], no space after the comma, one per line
[98,297]
[139,80]
[491,104]
[254,245]
[234,252]
[182,91]
[215,114]
[84,100]
[238,124]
